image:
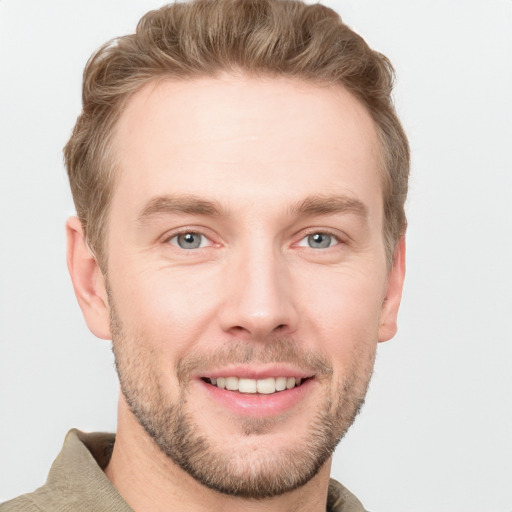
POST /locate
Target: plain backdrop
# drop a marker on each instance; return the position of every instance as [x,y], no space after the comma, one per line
[436,432]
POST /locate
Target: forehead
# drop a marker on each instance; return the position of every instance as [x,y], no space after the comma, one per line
[231,135]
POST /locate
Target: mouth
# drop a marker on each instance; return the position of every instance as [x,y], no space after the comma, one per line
[266,386]
[258,391]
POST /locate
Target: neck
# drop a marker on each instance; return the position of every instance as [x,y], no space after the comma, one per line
[149,481]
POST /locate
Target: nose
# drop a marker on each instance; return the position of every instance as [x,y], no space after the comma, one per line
[259,296]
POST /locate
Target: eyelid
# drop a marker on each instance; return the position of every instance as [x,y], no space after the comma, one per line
[339,237]
[206,233]
[202,243]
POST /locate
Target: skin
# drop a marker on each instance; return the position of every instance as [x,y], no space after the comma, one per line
[257,150]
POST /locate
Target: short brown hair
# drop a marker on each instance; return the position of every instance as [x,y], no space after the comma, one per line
[206,37]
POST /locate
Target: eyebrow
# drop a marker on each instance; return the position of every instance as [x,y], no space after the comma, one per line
[329,205]
[180,205]
[308,207]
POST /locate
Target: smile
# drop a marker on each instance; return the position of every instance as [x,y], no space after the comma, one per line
[265,386]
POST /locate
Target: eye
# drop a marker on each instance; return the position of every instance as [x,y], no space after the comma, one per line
[189,240]
[318,241]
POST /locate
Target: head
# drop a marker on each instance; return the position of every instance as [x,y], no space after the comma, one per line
[239,175]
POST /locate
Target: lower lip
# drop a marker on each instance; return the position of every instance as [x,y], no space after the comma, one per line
[258,405]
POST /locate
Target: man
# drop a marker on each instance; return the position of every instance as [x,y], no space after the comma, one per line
[239,176]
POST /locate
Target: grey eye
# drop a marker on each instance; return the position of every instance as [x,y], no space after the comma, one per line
[320,240]
[188,240]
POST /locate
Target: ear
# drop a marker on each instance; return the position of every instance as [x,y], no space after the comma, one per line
[395,283]
[88,280]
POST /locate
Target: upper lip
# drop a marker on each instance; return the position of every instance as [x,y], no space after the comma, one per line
[257,372]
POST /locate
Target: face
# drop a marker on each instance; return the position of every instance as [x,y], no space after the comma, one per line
[247,276]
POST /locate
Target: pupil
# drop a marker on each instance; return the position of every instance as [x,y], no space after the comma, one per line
[319,240]
[189,240]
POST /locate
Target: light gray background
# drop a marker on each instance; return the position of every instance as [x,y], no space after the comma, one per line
[436,433]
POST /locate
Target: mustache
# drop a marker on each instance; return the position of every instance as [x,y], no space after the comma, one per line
[279,350]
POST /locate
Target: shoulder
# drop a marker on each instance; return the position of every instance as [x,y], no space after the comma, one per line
[76,480]
[340,499]
[20,504]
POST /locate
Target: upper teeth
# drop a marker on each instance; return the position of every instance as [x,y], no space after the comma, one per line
[264,386]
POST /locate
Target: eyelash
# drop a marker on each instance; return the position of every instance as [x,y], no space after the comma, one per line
[304,238]
[188,231]
[325,232]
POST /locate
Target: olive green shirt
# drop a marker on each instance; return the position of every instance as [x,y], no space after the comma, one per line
[76,482]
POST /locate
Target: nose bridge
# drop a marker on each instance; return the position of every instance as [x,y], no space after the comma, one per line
[259,297]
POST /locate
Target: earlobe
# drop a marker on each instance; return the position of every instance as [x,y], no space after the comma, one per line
[88,280]
[396,276]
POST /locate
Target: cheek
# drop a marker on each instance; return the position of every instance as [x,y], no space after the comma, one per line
[168,309]
[344,299]
[344,316]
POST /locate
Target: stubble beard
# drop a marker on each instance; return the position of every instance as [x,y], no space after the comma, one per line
[257,472]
